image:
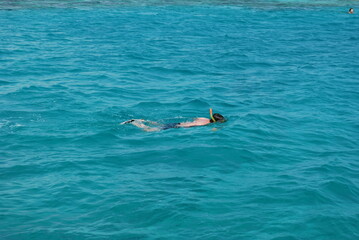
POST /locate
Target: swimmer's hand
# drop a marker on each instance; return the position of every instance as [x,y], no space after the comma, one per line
[128,121]
[132,120]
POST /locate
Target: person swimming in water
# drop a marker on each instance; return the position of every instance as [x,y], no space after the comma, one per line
[195,123]
[351,11]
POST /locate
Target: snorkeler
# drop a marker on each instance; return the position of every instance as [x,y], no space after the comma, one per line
[196,123]
[351,11]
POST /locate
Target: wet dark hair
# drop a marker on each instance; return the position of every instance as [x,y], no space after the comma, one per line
[218,117]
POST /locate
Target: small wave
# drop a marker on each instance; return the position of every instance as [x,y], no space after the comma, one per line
[17,5]
[2,82]
[153,105]
[195,103]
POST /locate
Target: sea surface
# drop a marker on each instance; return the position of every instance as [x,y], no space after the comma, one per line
[285,74]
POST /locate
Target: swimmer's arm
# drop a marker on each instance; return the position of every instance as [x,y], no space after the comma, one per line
[141,121]
[147,121]
[144,127]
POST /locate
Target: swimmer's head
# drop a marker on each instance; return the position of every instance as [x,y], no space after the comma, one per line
[217,118]
[351,10]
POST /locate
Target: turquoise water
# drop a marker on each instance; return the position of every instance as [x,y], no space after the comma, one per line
[284,165]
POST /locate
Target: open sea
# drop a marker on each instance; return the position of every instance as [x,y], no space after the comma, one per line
[285,166]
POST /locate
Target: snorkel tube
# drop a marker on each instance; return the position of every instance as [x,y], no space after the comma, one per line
[211,115]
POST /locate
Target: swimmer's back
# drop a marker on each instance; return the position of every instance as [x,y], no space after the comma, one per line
[196,122]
